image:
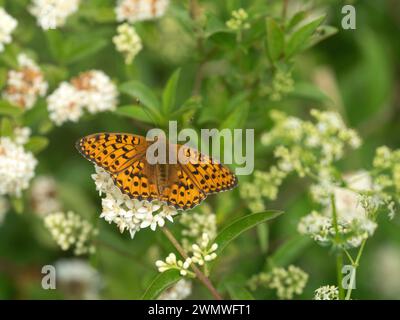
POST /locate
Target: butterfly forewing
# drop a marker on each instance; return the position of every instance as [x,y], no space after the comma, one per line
[185,184]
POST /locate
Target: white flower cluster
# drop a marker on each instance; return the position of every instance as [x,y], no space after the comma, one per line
[51,14]
[195,225]
[264,185]
[17,166]
[355,223]
[172,263]
[139,10]
[238,20]
[129,214]
[7,26]
[77,279]
[25,85]
[286,282]
[69,230]
[307,147]
[386,177]
[92,90]
[4,207]
[128,42]
[326,293]
[201,253]
[44,196]
[179,291]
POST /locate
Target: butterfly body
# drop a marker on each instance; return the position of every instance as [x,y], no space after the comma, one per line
[182,185]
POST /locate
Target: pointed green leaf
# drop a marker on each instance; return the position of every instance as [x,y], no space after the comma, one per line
[6,127]
[37,144]
[288,252]
[299,39]
[237,227]
[145,96]
[275,40]
[160,283]
[169,93]
[17,204]
[135,112]
[296,19]
[7,109]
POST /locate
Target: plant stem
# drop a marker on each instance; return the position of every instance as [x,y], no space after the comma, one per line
[355,266]
[200,275]
[339,254]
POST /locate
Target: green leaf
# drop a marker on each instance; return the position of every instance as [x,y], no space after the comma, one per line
[288,252]
[169,93]
[136,112]
[214,25]
[139,91]
[309,91]
[55,44]
[238,292]
[237,227]
[160,283]
[78,49]
[17,204]
[37,144]
[296,19]
[236,117]
[263,235]
[275,40]
[299,39]
[322,33]
[7,109]
[3,77]
[6,127]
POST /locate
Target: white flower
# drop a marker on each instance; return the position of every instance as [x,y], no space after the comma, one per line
[139,10]
[7,26]
[92,90]
[203,252]
[172,263]
[64,104]
[97,91]
[128,42]
[69,230]
[179,291]
[4,207]
[25,85]
[44,196]
[327,293]
[195,225]
[51,14]
[77,279]
[21,135]
[17,167]
[129,214]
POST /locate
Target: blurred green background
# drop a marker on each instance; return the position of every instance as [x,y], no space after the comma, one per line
[358,69]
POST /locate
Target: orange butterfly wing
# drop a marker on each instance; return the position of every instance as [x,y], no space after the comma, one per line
[186,185]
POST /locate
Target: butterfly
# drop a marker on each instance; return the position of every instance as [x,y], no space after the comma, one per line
[182,185]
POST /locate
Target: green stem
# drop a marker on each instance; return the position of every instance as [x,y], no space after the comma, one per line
[355,265]
[339,254]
